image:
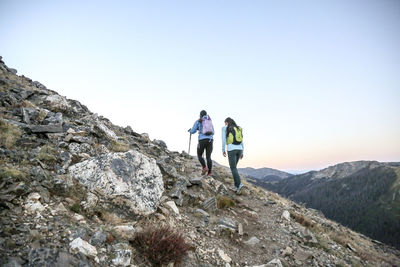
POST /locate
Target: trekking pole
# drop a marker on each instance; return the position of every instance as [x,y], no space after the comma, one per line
[190,139]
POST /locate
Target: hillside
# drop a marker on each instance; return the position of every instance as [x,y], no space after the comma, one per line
[77,190]
[363,195]
[264,174]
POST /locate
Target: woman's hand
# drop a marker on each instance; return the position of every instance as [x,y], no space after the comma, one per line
[241,156]
[224,154]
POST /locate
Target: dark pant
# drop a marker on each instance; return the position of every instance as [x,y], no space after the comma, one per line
[206,144]
[234,157]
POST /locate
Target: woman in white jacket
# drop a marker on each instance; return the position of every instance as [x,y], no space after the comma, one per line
[232,140]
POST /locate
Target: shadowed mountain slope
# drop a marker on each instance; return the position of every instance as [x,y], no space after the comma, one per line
[363,195]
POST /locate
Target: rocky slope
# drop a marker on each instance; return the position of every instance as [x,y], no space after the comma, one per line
[76,190]
[363,195]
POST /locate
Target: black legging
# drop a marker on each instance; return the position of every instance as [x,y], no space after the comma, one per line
[206,144]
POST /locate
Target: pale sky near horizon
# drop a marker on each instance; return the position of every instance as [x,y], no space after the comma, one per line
[312,83]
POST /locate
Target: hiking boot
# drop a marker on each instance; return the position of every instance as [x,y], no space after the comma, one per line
[239,189]
[233,188]
[209,173]
[204,171]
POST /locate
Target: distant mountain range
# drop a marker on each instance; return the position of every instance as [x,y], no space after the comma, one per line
[363,195]
[264,174]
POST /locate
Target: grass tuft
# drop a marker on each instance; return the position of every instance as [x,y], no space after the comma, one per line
[47,154]
[9,134]
[118,146]
[225,202]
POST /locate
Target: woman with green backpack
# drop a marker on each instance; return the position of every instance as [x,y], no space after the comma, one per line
[232,138]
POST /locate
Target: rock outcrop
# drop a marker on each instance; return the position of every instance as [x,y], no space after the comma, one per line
[127,183]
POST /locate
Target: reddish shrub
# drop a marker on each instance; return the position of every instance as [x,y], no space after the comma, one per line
[161,245]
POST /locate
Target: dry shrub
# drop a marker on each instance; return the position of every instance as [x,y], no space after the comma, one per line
[11,173]
[225,202]
[118,146]
[301,219]
[9,134]
[341,239]
[47,154]
[161,245]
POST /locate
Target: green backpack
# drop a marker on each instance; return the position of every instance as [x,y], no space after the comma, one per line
[234,135]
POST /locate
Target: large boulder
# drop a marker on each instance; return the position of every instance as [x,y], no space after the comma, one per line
[128,184]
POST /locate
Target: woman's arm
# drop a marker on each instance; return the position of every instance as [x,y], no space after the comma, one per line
[223,139]
[194,128]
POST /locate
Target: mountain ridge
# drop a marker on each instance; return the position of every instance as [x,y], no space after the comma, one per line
[363,195]
[76,190]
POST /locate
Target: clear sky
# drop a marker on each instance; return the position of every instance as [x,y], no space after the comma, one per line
[312,83]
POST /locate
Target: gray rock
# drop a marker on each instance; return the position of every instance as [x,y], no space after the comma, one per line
[98,239]
[240,229]
[196,181]
[227,222]
[25,116]
[77,149]
[252,241]
[81,233]
[286,215]
[38,173]
[308,236]
[81,246]
[167,169]
[176,192]
[14,262]
[66,158]
[46,128]
[54,119]
[131,182]
[160,143]
[210,204]
[301,255]
[51,257]
[201,212]
[122,257]
[222,190]
[274,263]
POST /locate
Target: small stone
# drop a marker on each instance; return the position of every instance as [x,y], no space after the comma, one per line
[274,263]
[122,257]
[201,212]
[228,223]
[252,241]
[287,252]
[224,256]
[350,247]
[196,181]
[286,215]
[210,204]
[78,217]
[301,255]
[172,206]
[124,231]
[79,245]
[240,229]
[98,239]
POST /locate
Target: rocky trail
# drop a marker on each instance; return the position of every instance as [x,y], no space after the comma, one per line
[75,190]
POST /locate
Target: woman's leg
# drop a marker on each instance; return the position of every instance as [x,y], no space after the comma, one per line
[209,149]
[233,157]
[200,151]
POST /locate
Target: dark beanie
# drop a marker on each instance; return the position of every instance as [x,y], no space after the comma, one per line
[203,113]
